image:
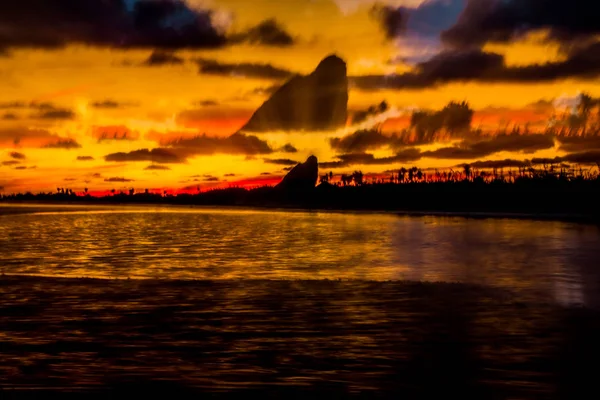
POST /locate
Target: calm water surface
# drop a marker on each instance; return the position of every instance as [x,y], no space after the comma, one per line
[555,260]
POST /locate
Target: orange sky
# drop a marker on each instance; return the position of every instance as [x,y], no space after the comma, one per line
[105,100]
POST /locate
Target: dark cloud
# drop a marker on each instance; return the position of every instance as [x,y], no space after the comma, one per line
[429,19]
[10,163]
[85,158]
[392,20]
[508,163]
[17,156]
[230,175]
[108,104]
[250,70]
[587,157]
[12,105]
[97,175]
[207,103]
[476,65]
[267,33]
[360,141]
[110,133]
[281,161]
[484,21]
[211,179]
[157,168]
[236,144]
[167,24]
[162,57]
[10,117]
[158,155]
[288,148]
[347,160]
[574,144]
[511,143]
[117,179]
[70,179]
[54,114]
[63,144]
[22,167]
[266,90]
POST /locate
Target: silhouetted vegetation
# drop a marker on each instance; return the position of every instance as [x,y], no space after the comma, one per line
[549,189]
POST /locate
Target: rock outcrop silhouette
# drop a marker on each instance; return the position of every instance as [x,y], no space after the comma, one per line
[317,102]
[302,177]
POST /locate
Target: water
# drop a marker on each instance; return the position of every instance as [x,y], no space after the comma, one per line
[295,304]
[545,260]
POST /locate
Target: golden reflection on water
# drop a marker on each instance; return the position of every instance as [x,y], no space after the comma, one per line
[554,260]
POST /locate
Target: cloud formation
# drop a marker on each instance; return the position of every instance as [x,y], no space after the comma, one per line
[527,144]
[347,160]
[154,167]
[484,21]
[281,161]
[85,158]
[67,144]
[250,70]
[167,24]
[118,179]
[158,155]
[16,155]
[163,57]
[476,65]
[267,33]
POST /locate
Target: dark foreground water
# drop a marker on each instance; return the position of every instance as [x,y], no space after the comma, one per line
[267,313]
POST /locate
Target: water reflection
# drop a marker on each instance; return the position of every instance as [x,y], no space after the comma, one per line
[550,260]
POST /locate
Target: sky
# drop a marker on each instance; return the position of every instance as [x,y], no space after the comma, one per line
[119,94]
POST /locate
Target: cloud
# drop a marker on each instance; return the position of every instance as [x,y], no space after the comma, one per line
[393,20]
[587,157]
[207,103]
[10,163]
[288,148]
[54,114]
[164,24]
[162,57]
[230,175]
[578,143]
[10,117]
[527,144]
[158,155]
[108,104]
[351,6]
[210,179]
[476,65]
[508,163]
[484,21]
[267,33]
[117,132]
[22,167]
[265,90]
[157,168]
[17,156]
[63,144]
[85,158]
[250,70]
[236,144]
[347,160]
[360,141]
[117,179]
[281,161]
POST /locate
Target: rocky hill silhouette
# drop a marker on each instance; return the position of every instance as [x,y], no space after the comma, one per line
[302,177]
[317,102]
